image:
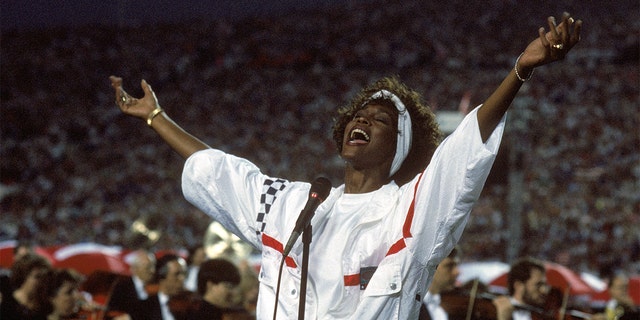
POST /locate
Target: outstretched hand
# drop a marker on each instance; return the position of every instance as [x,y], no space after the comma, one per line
[140,108]
[147,108]
[551,45]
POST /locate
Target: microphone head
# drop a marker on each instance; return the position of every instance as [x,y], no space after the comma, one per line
[320,188]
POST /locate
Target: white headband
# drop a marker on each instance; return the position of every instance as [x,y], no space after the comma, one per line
[404,129]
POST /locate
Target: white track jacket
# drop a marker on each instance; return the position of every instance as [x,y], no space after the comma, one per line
[372,255]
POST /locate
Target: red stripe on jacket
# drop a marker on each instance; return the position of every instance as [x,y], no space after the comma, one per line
[275,244]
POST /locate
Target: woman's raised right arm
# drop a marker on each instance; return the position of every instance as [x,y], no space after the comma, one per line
[149,109]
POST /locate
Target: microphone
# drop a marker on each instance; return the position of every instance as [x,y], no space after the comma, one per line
[320,189]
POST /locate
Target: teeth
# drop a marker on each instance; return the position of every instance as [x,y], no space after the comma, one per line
[359,131]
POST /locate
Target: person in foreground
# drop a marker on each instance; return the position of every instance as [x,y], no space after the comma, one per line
[60,298]
[20,301]
[129,293]
[443,280]
[377,238]
[216,280]
[171,270]
[621,305]
[528,286]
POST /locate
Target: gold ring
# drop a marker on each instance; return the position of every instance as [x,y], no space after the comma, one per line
[558,46]
[121,101]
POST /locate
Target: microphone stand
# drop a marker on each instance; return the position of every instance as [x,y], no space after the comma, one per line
[306,241]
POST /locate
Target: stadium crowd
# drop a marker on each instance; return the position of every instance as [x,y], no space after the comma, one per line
[258,87]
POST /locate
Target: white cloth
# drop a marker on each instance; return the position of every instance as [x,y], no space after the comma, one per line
[140,290]
[519,314]
[432,301]
[405,134]
[164,306]
[350,231]
[613,310]
[191,282]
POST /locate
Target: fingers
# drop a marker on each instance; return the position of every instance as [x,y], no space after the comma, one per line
[552,38]
[146,87]
[570,30]
[123,99]
[564,27]
[115,81]
[575,35]
[148,91]
[543,37]
[558,32]
[552,26]
[562,37]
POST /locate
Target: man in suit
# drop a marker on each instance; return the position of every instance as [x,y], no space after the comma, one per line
[129,294]
[171,271]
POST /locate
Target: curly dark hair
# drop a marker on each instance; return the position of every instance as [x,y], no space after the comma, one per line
[426,132]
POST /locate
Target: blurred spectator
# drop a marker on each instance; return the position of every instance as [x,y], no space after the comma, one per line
[443,280]
[196,255]
[130,294]
[21,302]
[248,288]
[21,249]
[59,295]
[621,305]
[216,281]
[171,271]
[528,289]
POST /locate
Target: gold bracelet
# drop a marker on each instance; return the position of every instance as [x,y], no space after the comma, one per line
[518,74]
[153,114]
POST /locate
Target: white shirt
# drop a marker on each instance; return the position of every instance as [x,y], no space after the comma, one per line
[191,282]
[432,301]
[519,314]
[351,232]
[613,310]
[164,307]
[140,290]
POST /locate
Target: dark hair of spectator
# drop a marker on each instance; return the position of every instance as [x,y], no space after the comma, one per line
[521,271]
[216,271]
[162,265]
[191,252]
[52,282]
[21,245]
[21,268]
[454,252]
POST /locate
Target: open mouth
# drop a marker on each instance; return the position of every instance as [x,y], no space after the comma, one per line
[358,136]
